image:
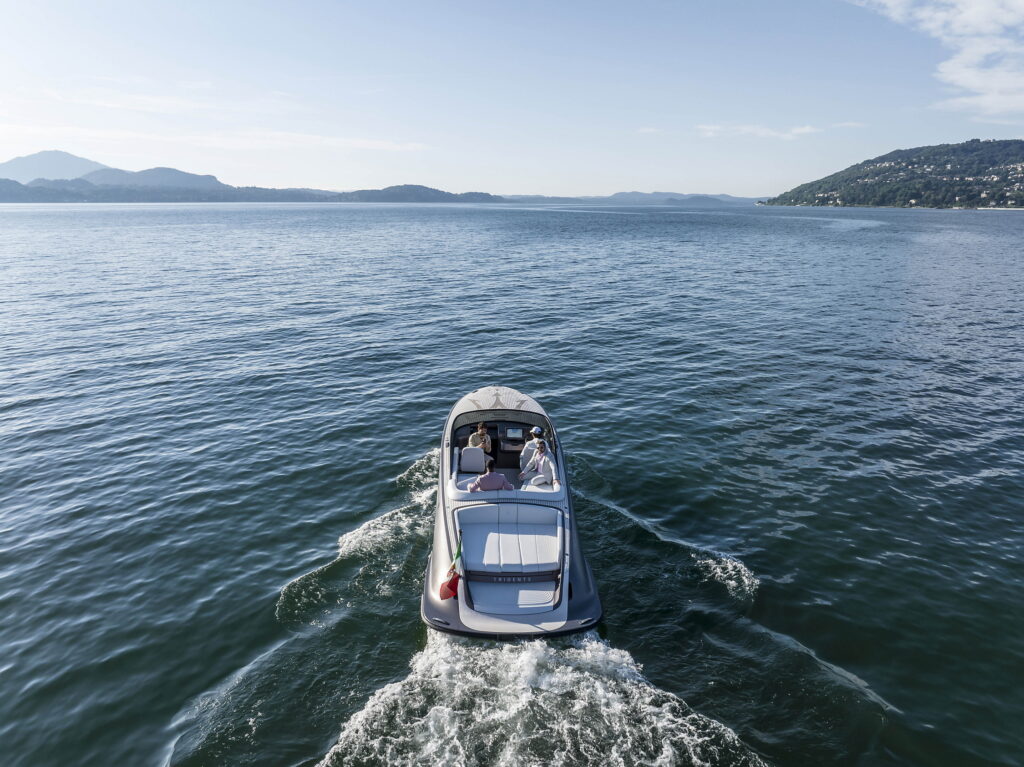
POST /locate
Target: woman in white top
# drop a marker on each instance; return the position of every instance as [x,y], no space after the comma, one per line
[540,470]
[531,446]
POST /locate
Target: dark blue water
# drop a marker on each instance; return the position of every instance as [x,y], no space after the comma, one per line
[795,438]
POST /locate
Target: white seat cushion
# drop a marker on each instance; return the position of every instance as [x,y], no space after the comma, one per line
[537,489]
[472,460]
[511,538]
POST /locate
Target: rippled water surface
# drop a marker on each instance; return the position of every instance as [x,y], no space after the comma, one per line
[795,437]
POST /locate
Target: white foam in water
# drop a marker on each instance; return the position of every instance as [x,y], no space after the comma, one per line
[379,533]
[737,578]
[423,471]
[567,701]
[373,537]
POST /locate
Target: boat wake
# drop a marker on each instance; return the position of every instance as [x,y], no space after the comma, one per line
[575,700]
[709,567]
[381,549]
[353,621]
[737,578]
[572,701]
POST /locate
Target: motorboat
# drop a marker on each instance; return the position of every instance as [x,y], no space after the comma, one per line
[505,563]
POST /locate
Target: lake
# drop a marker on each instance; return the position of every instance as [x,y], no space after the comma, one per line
[796,445]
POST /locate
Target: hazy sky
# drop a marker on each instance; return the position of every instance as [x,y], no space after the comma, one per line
[740,96]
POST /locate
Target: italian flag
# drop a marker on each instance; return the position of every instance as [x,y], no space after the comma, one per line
[450,588]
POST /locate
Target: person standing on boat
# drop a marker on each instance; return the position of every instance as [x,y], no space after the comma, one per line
[492,480]
[530,447]
[480,438]
[540,470]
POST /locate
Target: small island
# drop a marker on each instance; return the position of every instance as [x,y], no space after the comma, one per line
[973,174]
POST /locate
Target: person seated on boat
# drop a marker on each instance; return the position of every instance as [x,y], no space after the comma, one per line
[480,438]
[492,480]
[531,446]
[540,470]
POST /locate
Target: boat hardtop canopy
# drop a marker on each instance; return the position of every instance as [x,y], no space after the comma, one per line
[497,403]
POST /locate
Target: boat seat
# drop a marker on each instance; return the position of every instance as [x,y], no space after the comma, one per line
[537,488]
[511,538]
[471,460]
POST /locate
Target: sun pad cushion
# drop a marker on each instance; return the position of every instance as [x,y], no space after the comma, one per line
[511,538]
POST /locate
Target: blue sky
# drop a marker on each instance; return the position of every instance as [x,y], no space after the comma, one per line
[748,98]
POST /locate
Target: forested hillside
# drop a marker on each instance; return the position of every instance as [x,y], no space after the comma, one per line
[973,174]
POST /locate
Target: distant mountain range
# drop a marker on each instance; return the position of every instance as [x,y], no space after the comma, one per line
[48,164]
[641,198]
[671,198]
[54,176]
[154,177]
[973,174]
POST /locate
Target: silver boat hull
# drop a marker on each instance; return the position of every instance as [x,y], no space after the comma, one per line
[507,590]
